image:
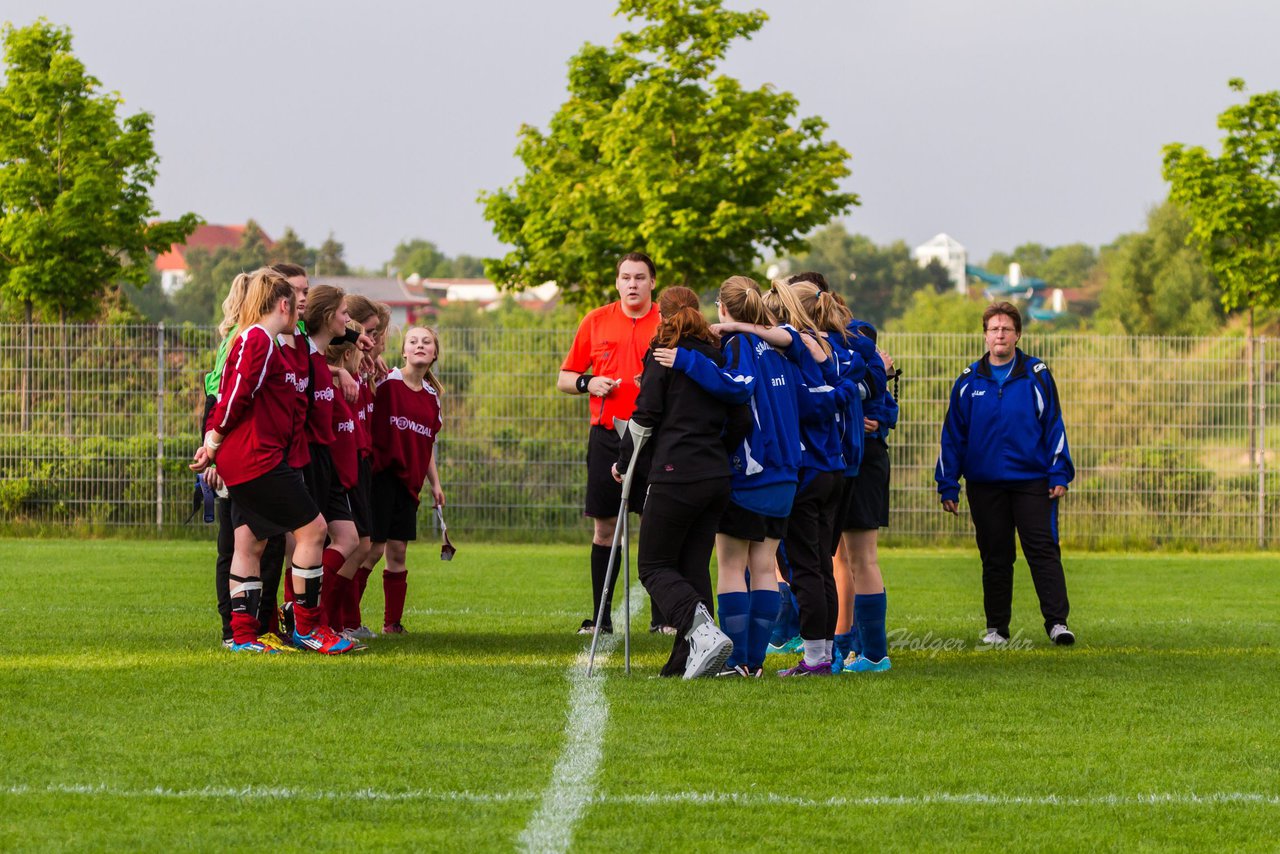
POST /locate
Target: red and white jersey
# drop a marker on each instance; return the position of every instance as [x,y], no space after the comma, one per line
[345,445]
[298,358]
[364,413]
[323,393]
[405,425]
[257,400]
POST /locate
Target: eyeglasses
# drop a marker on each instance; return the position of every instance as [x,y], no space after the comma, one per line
[1001,330]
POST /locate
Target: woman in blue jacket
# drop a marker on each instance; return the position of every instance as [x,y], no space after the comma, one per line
[1004,435]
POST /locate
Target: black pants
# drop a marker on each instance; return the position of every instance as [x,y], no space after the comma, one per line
[998,509]
[677,536]
[805,557]
[271,567]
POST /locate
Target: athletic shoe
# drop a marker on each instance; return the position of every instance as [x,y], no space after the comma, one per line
[709,648]
[274,641]
[227,643]
[861,664]
[661,628]
[589,627]
[795,644]
[253,646]
[802,669]
[285,614]
[758,673]
[363,633]
[739,670]
[357,645]
[323,640]
[1061,635]
[994,638]
[394,629]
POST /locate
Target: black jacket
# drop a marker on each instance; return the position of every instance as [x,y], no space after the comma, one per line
[690,442]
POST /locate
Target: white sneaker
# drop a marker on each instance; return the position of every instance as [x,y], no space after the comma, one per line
[1061,635]
[363,633]
[994,638]
[709,648]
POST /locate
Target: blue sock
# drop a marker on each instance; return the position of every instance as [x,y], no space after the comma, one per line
[785,616]
[735,621]
[844,645]
[855,642]
[869,610]
[764,611]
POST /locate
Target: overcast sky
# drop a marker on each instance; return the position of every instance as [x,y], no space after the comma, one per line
[997,121]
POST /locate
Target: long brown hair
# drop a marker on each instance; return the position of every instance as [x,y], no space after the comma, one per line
[681,317]
[323,302]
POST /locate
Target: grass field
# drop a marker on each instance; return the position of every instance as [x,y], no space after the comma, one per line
[127,727]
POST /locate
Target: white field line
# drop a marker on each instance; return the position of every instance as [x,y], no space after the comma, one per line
[760,799]
[573,780]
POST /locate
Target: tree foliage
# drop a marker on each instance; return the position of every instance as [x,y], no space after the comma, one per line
[656,151]
[211,272]
[1155,283]
[1066,266]
[76,216]
[1234,200]
[933,312]
[877,281]
[426,260]
[329,258]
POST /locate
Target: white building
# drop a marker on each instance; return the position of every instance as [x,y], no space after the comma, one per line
[951,254]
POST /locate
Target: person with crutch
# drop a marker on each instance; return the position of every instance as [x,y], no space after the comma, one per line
[689,478]
[604,362]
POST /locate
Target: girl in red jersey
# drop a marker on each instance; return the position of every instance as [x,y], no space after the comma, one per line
[348,440]
[249,433]
[406,421]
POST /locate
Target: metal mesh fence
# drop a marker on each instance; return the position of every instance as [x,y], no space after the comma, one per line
[1175,439]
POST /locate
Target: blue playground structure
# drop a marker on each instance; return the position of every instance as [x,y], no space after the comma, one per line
[1032,291]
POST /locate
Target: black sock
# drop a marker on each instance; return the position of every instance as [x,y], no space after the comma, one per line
[599,569]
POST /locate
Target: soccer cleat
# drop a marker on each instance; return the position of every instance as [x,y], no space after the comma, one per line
[709,648]
[739,670]
[994,638]
[589,626]
[758,673]
[275,642]
[357,645]
[253,646]
[861,664]
[802,669]
[663,629]
[322,640]
[394,629]
[227,643]
[1061,635]
[795,644]
[363,633]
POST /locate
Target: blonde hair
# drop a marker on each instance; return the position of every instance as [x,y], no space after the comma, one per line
[828,312]
[431,375]
[784,303]
[741,298]
[265,289]
[231,305]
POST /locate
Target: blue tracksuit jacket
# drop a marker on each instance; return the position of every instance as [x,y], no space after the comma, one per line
[1009,433]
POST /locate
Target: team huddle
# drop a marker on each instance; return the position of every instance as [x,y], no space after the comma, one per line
[320,455]
[764,440]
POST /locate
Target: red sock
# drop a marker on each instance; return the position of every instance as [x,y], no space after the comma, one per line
[394,585]
[331,561]
[361,581]
[350,592]
[288,582]
[337,603]
[244,627]
[306,620]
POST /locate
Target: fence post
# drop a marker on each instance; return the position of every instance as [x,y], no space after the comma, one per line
[160,427]
[1262,442]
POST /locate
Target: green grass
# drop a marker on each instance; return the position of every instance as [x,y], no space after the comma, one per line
[126,726]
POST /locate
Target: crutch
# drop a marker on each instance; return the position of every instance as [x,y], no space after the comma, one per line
[639,435]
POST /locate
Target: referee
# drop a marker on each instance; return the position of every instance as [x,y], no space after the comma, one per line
[605,362]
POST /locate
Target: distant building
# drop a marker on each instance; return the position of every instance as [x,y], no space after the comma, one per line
[951,254]
[406,308]
[172,265]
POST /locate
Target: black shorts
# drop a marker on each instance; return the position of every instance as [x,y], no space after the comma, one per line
[325,488]
[737,521]
[395,510]
[864,506]
[361,500]
[272,504]
[604,494]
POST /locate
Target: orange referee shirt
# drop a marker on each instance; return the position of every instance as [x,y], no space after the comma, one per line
[610,344]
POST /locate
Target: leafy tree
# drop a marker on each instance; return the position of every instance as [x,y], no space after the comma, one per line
[211,272]
[1234,200]
[930,311]
[290,249]
[1155,284]
[876,281]
[422,257]
[329,261]
[656,151]
[76,214]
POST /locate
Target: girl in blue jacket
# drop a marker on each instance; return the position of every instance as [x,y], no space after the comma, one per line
[1005,436]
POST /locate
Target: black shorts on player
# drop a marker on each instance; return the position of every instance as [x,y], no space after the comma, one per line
[395,512]
[864,504]
[604,494]
[326,490]
[743,524]
[272,504]
[361,500]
